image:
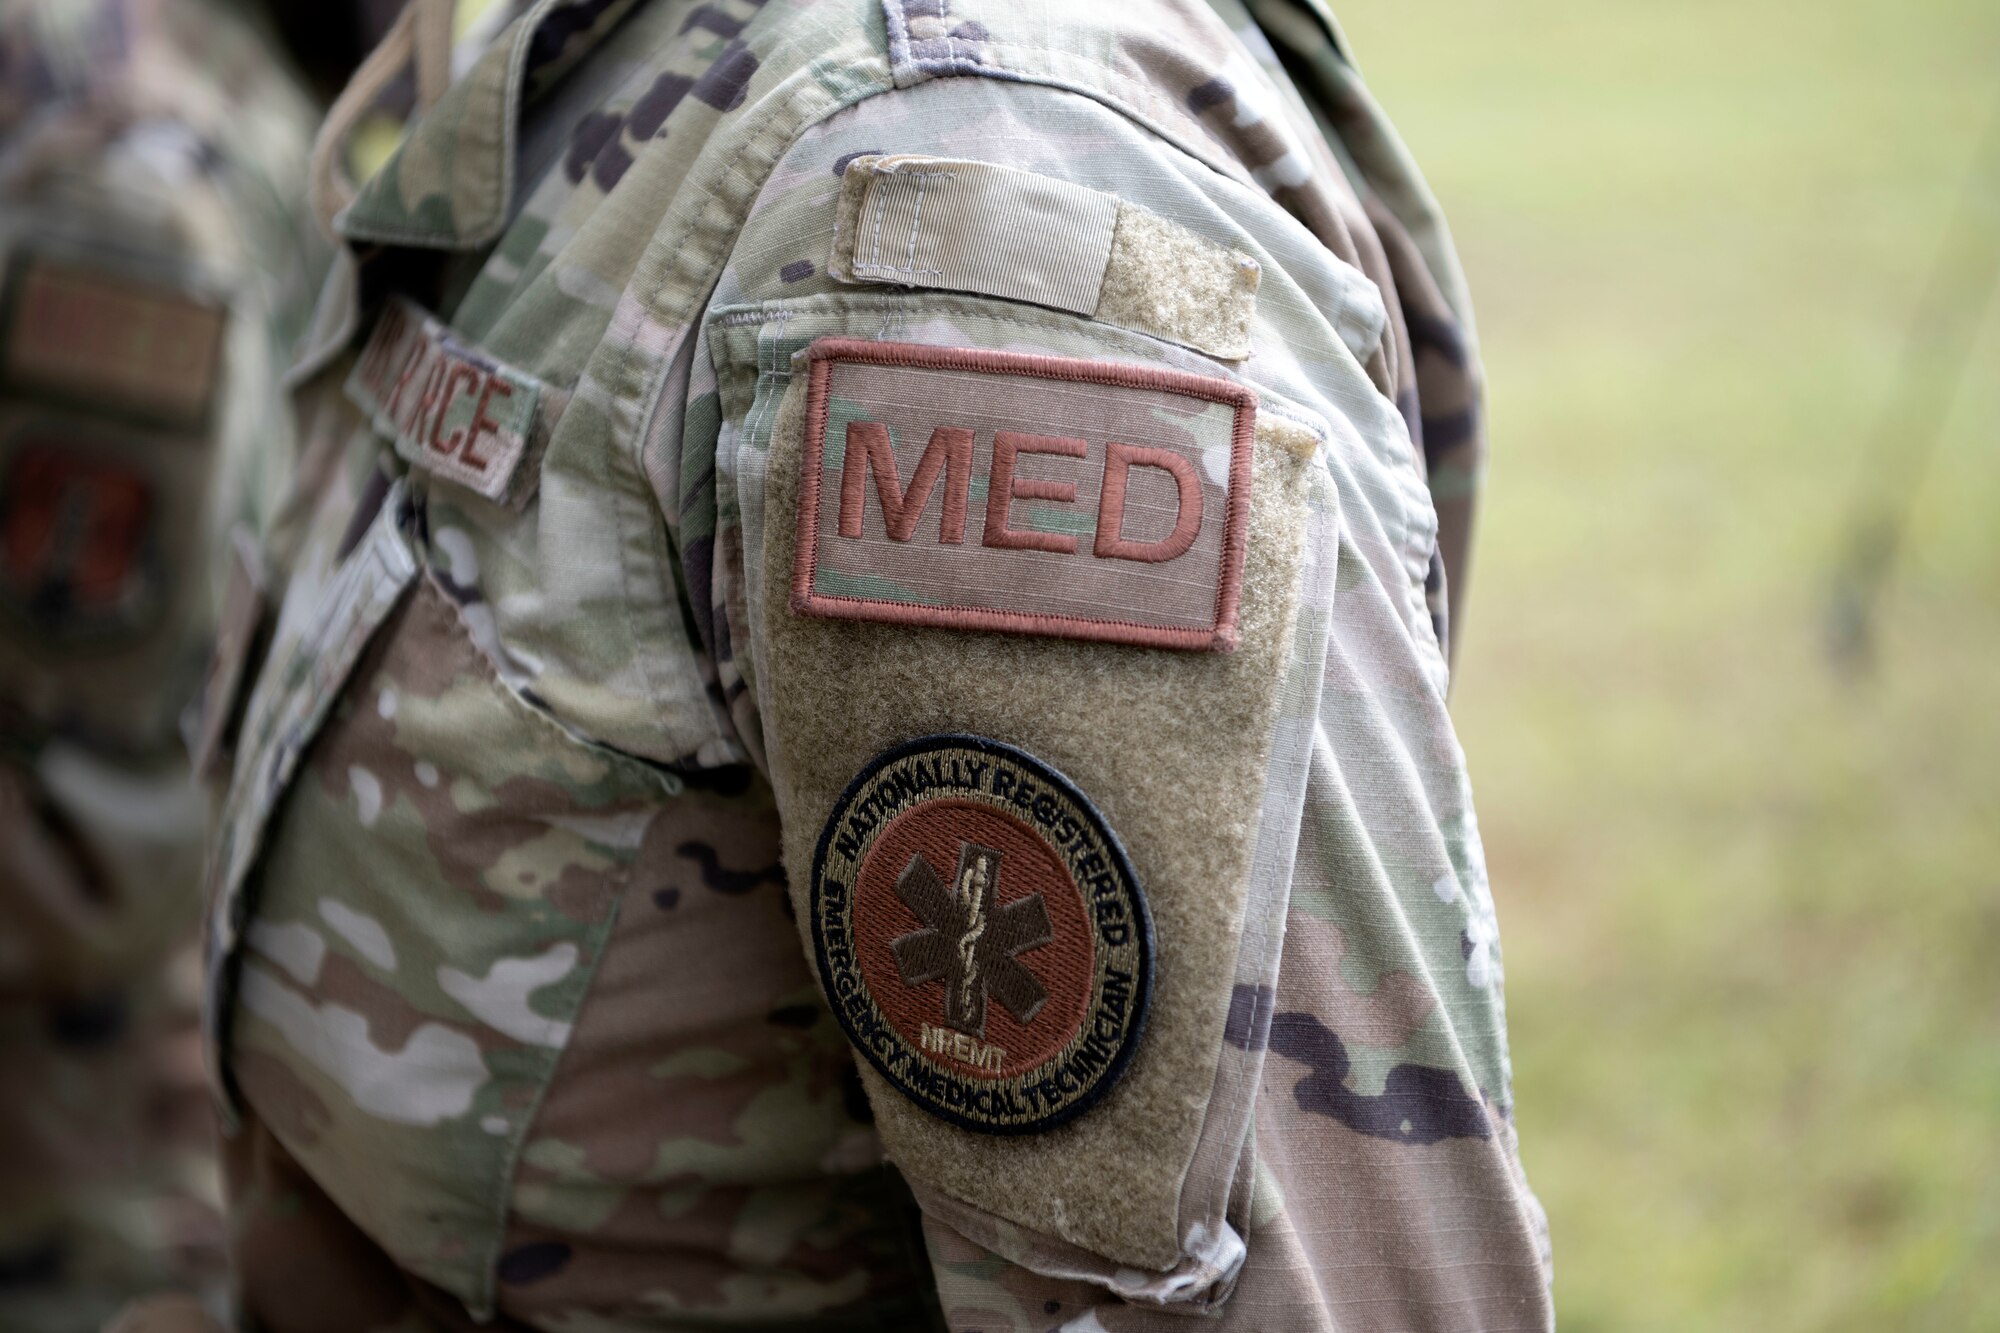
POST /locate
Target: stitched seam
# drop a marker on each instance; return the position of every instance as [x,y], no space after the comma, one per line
[1205,633]
[766,348]
[899,38]
[916,222]
[788,115]
[1038,365]
[881,207]
[874,264]
[893,306]
[518,1143]
[839,215]
[744,319]
[892,268]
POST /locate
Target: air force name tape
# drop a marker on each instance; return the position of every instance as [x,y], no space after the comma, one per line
[981,934]
[451,409]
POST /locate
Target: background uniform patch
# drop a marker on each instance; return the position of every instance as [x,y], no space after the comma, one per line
[78,553]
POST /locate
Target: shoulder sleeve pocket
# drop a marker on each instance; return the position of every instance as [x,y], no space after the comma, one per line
[1029,623]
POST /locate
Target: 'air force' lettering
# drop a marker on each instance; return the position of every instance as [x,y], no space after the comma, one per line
[450,409]
[417,384]
[926,499]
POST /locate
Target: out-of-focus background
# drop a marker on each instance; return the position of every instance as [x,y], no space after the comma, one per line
[1751,906]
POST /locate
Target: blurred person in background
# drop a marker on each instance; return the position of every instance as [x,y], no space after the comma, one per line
[156,266]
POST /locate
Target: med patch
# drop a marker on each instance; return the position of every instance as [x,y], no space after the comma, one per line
[80,551]
[1025,494]
[981,934]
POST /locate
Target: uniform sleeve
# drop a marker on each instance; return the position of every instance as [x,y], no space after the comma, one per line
[1071,568]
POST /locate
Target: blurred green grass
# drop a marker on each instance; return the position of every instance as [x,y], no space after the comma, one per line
[1752,911]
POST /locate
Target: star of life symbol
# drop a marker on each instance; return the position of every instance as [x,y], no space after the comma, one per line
[970,944]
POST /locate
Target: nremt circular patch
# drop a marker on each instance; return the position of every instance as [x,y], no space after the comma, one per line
[981,934]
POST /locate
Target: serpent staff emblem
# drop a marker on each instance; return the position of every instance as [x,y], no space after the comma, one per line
[968,943]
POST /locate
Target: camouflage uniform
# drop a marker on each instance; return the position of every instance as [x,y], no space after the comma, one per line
[156,263]
[599,664]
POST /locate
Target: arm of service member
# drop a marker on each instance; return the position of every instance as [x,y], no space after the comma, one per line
[1080,594]
[879,605]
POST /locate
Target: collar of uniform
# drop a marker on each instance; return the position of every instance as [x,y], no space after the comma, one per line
[450,185]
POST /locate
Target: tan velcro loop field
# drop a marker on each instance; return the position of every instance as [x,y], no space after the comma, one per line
[1172,749]
[952,224]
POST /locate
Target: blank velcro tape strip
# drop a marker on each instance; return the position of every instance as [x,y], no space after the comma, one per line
[1113,507]
[450,409]
[949,224]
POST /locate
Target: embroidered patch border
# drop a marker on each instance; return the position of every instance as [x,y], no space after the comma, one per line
[1084,965]
[1218,636]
